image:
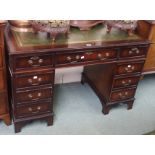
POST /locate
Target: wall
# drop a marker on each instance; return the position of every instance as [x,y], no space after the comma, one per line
[68,75]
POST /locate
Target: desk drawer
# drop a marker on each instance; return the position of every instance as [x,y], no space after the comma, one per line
[133,52]
[122,94]
[2,86]
[33,95]
[127,81]
[34,61]
[128,68]
[1,57]
[73,58]
[37,79]
[33,109]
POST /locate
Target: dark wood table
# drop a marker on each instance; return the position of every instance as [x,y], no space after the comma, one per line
[112,67]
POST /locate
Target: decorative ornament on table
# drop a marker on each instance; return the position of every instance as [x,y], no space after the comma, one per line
[85,24]
[52,27]
[20,25]
[125,25]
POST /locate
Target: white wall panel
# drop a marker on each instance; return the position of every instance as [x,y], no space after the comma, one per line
[68,75]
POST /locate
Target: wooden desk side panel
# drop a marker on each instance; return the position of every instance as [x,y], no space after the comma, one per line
[147,30]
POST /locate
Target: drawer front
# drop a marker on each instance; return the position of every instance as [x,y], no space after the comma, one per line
[124,82]
[3,103]
[33,95]
[122,94]
[1,57]
[73,58]
[36,79]
[129,68]
[2,86]
[33,62]
[35,109]
[133,52]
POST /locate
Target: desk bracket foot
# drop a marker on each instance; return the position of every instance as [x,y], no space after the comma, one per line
[17,127]
[105,110]
[49,121]
[130,105]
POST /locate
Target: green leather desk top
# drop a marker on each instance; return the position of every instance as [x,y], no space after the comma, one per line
[97,36]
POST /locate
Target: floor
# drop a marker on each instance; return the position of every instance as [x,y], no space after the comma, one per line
[78,111]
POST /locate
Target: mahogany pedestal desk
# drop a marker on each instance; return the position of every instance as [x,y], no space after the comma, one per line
[112,67]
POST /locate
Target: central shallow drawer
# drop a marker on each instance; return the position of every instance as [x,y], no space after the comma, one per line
[88,56]
[33,109]
[33,95]
[33,79]
[33,61]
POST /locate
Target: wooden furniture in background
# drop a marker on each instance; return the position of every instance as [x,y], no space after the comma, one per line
[147,30]
[4,108]
[112,67]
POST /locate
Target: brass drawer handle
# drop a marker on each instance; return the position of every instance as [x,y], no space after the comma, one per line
[36,82]
[39,79]
[30,62]
[68,58]
[130,68]
[78,57]
[100,56]
[107,54]
[39,108]
[39,94]
[31,96]
[126,83]
[134,51]
[30,109]
[89,53]
[36,111]
[30,81]
[40,61]
[123,95]
[34,60]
